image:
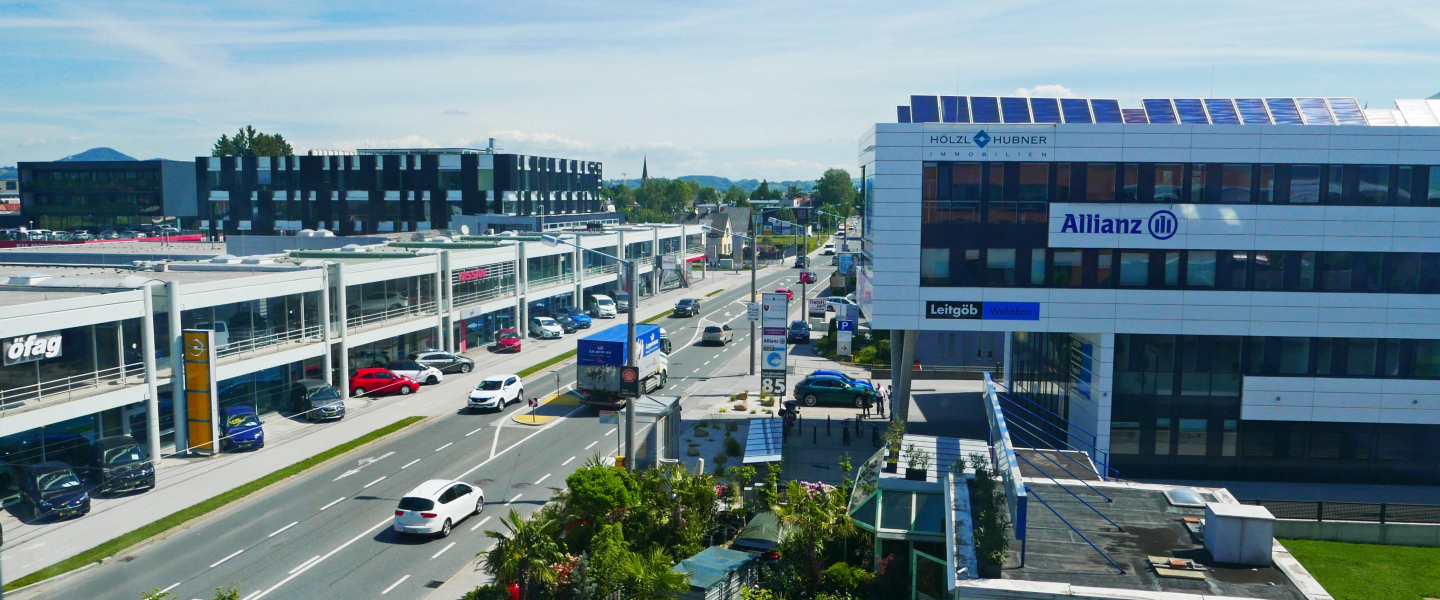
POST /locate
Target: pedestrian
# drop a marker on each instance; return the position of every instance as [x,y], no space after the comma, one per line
[880,406]
[890,397]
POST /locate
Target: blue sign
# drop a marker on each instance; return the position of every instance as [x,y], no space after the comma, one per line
[847,263]
[1011,311]
[982,138]
[775,359]
[1162,225]
[846,325]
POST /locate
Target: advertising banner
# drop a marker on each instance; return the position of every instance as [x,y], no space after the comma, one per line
[774,312]
[202,422]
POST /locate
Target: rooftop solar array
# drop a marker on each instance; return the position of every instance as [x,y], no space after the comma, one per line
[1189,111]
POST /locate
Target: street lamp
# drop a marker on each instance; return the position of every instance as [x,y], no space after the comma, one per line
[753,299]
[630,359]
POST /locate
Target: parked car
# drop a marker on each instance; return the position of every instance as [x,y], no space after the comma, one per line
[789,295]
[496,391]
[582,320]
[815,389]
[833,301]
[508,340]
[109,234]
[567,324]
[717,334]
[434,507]
[545,327]
[380,381]
[687,307]
[246,325]
[799,332]
[81,235]
[221,338]
[414,370]
[801,262]
[119,464]
[316,400]
[828,250]
[622,302]
[51,490]
[131,234]
[445,361]
[601,306]
[240,429]
[837,374]
[378,301]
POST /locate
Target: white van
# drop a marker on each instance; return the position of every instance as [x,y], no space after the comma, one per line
[601,306]
[221,337]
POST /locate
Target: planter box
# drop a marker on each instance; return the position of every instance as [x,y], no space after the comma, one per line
[915,474]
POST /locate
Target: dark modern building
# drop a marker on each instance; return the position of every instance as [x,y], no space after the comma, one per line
[373,191]
[106,194]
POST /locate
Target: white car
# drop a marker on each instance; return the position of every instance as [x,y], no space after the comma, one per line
[496,391]
[424,374]
[380,301]
[545,327]
[829,249]
[833,301]
[434,507]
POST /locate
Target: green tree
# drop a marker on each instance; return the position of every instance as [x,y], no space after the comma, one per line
[250,142]
[648,576]
[836,190]
[762,192]
[736,196]
[525,554]
[619,194]
[818,518]
[595,492]
[793,192]
[707,195]
[679,196]
[606,555]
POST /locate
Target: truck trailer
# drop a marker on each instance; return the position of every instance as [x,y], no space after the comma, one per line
[599,357]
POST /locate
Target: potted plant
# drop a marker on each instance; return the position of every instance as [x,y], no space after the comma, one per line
[991,522]
[917,463]
[893,435]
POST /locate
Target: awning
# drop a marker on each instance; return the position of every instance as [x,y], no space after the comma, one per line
[763,441]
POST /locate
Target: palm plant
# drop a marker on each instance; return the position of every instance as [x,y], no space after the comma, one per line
[819,516]
[648,576]
[526,553]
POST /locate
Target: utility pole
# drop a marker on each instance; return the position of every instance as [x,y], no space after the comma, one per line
[754,243]
[631,360]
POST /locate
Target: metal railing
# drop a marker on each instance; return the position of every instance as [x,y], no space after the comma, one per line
[289,336]
[64,389]
[694,250]
[484,295]
[539,283]
[393,314]
[602,269]
[1371,512]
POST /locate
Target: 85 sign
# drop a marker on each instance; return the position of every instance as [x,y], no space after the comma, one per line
[772,385]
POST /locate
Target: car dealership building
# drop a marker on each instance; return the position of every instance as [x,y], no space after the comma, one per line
[1204,289]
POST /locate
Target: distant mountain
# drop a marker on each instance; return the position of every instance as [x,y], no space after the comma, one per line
[8,173]
[724,183]
[97,154]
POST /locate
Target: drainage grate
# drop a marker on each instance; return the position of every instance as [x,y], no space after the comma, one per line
[521,486]
[434,585]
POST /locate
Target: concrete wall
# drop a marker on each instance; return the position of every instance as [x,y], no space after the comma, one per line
[1359,532]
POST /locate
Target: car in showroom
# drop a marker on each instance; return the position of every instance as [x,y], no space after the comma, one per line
[508,340]
[798,332]
[718,335]
[424,374]
[496,391]
[380,381]
[546,328]
[434,507]
[824,389]
[687,307]
[316,400]
[445,361]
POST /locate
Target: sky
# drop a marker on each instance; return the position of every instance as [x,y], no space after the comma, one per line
[740,89]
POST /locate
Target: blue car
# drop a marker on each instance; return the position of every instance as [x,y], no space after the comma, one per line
[240,429]
[848,379]
[578,315]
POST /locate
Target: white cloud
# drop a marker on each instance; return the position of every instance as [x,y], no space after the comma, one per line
[409,141]
[32,141]
[454,112]
[1045,91]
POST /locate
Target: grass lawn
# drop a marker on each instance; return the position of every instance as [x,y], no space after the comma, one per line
[1370,572]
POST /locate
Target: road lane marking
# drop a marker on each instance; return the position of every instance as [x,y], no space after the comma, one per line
[445,446]
[477,525]
[612,431]
[499,423]
[392,586]
[706,363]
[592,444]
[332,504]
[331,553]
[253,595]
[172,586]
[474,432]
[547,476]
[382,478]
[277,532]
[512,500]
[442,551]
[364,462]
[410,463]
[553,423]
[302,565]
[567,461]
[219,562]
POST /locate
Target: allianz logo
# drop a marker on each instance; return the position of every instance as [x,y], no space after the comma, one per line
[1162,225]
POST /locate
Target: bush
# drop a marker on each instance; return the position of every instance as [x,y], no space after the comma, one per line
[844,580]
[492,591]
[732,446]
[767,402]
[865,356]
[721,458]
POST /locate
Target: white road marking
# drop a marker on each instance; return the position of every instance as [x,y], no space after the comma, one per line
[392,586]
[612,431]
[331,553]
[364,462]
[523,440]
[499,423]
[410,463]
[477,525]
[253,595]
[445,446]
[512,500]
[375,482]
[567,461]
[442,551]
[332,504]
[172,586]
[277,532]
[592,444]
[219,562]
[547,476]
[706,363]
[302,565]
[473,432]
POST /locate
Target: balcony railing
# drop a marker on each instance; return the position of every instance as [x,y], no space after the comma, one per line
[540,283]
[402,313]
[242,346]
[469,298]
[55,391]
[602,269]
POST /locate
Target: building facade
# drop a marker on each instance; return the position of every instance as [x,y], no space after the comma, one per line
[65,195]
[376,191]
[1215,289]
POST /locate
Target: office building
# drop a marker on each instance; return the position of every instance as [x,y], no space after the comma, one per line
[110,194]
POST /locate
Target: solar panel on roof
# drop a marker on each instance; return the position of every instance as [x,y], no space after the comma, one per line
[1135,116]
[1253,111]
[954,109]
[1346,111]
[1045,110]
[924,109]
[1284,111]
[902,114]
[1222,110]
[1191,111]
[1315,111]
[1107,111]
[1015,110]
[1076,110]
[1158,110]
[985,109]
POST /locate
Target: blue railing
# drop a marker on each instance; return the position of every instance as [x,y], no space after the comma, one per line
[1100,457]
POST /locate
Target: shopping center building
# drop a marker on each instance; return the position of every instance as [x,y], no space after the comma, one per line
[86,347]
[1201,289]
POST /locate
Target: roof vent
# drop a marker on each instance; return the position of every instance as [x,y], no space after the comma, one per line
[352,248]
[324,233]
[29,278]
[1184,496]
[306,233]
[226,259]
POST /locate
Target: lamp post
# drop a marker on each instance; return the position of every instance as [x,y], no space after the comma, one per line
[753,299]
[630,359]
[803,253]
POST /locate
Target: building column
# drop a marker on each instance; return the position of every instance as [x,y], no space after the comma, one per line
[905,370]
[579,300]
[655,261]
[440,311]
[339,278]
[177,370]
[447,286]
[522,289]
[326,360]
[152,388]
[1008,364]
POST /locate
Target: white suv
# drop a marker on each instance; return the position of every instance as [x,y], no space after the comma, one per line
[496,391]
[434,507]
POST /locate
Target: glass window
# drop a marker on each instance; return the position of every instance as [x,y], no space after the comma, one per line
[1434,193]
[965,181]
[1002,212]
[1235,184]
[970,268]
[1305,184]
[1162,437]
[1402,272]
[1037,266]
[1200,268]
[1259,443]
[934,266]
[1239,262]
[1267,184]
[1065,268]
[1131,190]
[1134,269]
[895,509]
[1125,437]
[1100,182]
[1305,280]
[1404,177]
[1335,186]
[1104,268]
[1324,355]
[1191,441]
[1375,184]
[1034,181]
[1427,358]
[1294,356]
[997,181]
[1000,266]
[1366,272]
[1197,183]
[1168,182]
[1337,272]
[1062,182]
[1172,268]
[929,172]
[1228,437]
[1392,358]
[1360,357]
[1325,445]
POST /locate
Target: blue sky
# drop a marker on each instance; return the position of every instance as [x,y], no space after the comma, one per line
[776,90]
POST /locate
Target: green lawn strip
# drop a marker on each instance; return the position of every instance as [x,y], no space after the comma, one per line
[528,371]
[714,292]
[1368,571]
[119,544]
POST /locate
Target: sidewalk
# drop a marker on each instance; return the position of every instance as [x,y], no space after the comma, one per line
[183,482]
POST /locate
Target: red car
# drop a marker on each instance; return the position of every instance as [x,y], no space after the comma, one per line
[789,295]
[380,381]
[508,340]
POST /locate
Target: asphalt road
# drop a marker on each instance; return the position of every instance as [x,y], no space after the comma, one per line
[326,534]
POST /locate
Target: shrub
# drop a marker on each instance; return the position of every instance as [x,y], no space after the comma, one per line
[843,580]
[732,446]
[865,356]
[720,459]
[491,591]
[721,410]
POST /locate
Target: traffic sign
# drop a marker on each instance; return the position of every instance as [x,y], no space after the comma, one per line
[752,311]
[533,402]
[846,325]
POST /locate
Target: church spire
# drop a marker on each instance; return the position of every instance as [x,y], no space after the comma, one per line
[644,170]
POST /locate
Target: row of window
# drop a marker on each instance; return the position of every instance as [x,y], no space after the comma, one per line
[960,186]
[1259,270]
[1164,436]
[1211,365]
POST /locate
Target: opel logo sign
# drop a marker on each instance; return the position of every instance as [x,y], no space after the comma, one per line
[1163,225]
[196,348]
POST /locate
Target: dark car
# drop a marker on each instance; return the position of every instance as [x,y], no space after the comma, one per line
[687,307]
[119,464]
[816,389]
[51,490]
[799,332]
[567,324]
[802,262]
[316,400]
[622,302]
[445,361]
[240,429]
[582,320]
[838,374]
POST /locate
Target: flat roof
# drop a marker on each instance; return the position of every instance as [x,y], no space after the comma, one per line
[194,250]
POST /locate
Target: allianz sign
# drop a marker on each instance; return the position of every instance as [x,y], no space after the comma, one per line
[1162,224]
